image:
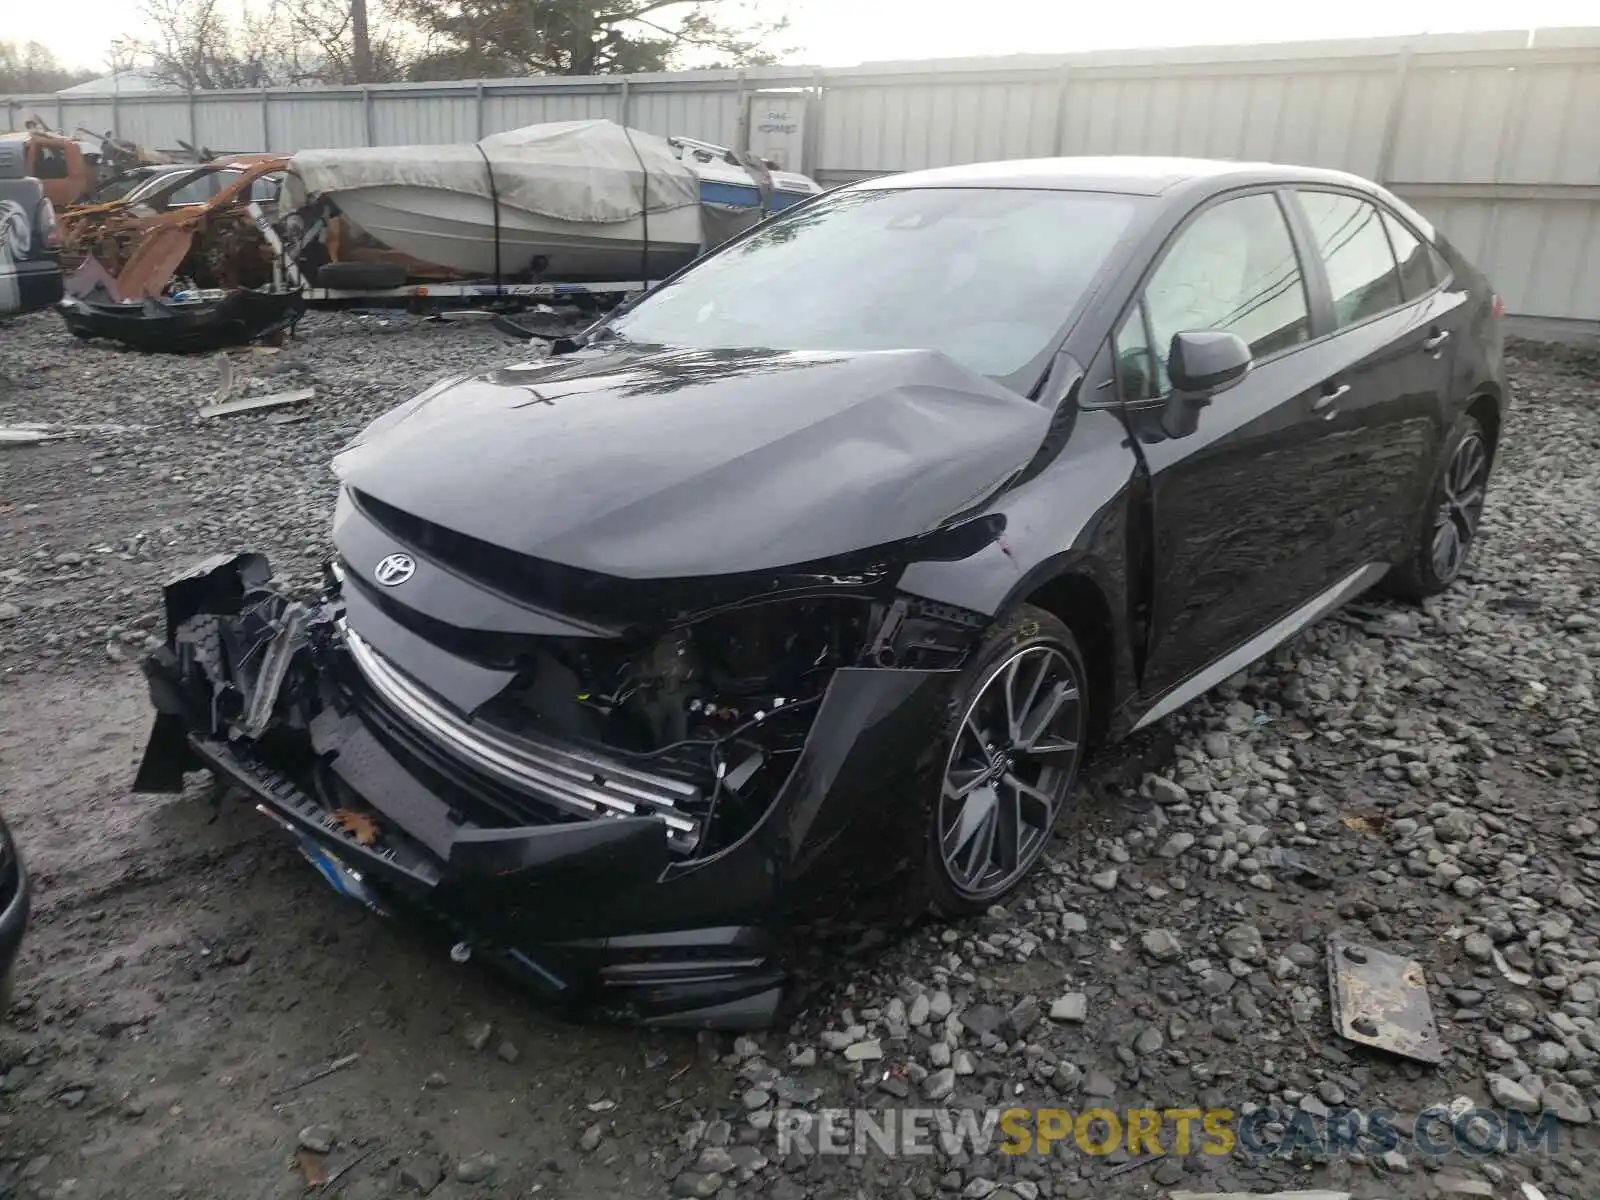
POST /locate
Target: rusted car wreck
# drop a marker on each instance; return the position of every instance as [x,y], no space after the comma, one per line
[161,271]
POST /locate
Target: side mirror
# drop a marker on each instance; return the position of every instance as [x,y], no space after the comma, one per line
[1206,362]
[1200,363]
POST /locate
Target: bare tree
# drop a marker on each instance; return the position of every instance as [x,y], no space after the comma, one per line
[350,41]
[30,68]
[274,42]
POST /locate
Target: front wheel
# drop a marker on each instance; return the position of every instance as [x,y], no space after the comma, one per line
[1449,522]
[1020,718]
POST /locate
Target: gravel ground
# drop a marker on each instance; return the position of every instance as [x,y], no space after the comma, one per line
[1423,781]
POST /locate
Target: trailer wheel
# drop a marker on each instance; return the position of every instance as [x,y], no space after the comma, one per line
[361,276]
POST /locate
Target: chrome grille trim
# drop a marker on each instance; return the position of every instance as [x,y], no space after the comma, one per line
[571,779]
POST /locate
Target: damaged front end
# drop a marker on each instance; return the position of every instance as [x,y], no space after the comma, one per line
[626,808]
[602,678]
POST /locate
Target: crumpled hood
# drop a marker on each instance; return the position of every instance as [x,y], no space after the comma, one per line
[666,464]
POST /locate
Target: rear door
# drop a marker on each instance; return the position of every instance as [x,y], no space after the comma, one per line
[1388,367]
[1239,508]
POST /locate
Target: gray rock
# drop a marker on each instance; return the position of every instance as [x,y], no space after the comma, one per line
[1511,1095]
[477,1168]
[1105,880]
[714,1160]
[1460,1185]
[1244,942]
[1395,1162]
[478,1035]
[1454,826]
[921,1008]
[1161,945]
[1073,1007]
[1566,1102]
[507,1052]
[421,1175]
[1176,844]
[940,1084]
[590,1140]
[318,1139]
[696,1186]
[1552,1056]
[1167,792]
[866,1051]
[984,1020]
[1478,947]
[1099,1085]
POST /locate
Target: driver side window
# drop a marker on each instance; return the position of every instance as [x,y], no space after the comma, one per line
[1233,269]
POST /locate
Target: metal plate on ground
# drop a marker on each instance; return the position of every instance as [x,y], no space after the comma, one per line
[1381,1000]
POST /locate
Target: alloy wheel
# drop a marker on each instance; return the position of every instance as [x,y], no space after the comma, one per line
[1456,522]
[1011,764]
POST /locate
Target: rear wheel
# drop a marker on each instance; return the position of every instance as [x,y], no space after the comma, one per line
[1012,758]
[1450,517]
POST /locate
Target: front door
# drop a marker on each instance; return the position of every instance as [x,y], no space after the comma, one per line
[1239,507]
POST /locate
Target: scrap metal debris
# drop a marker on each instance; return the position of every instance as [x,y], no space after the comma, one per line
[313,1166]
[1381,1000]
[25,435]
[142,245]
[1364,822]
[355,1162]
[250,403]
[358,825]
[334,1067]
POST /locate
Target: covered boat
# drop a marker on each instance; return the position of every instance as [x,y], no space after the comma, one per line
[580,201]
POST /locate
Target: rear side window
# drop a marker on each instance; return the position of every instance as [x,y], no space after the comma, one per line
[1416,272]
[1355,250]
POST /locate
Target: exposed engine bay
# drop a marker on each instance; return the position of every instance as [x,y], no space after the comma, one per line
[725,703]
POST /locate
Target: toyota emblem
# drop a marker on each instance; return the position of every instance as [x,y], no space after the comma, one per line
[395,569]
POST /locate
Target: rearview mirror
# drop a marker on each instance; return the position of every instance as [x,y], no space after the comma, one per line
[1200,364]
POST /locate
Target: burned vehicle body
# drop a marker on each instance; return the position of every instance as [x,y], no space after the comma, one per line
[633,658]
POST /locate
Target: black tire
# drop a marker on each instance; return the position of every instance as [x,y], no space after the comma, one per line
[361,276]
[1424,571]
[1029,636]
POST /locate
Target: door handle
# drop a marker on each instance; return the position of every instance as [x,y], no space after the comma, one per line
[1436,341]
[1330,398]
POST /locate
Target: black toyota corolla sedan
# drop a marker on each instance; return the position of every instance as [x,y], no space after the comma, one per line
[833,555]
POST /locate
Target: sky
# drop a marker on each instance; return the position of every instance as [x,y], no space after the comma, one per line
[843,32]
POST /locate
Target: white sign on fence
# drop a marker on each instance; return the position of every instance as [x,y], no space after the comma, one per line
[778,128]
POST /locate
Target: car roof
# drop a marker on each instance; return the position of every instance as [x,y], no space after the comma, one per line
[1132,174]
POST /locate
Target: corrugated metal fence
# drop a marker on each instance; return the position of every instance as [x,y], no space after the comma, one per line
[1495,136]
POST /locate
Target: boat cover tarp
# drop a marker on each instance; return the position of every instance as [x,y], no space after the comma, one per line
[588,171]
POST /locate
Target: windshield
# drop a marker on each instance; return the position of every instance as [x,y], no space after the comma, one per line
[988,276]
